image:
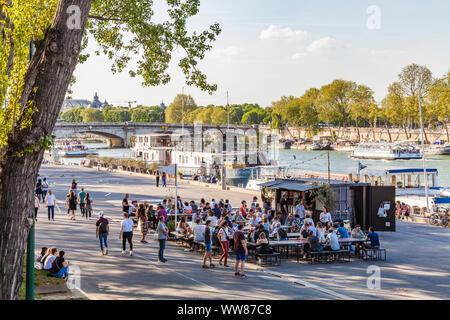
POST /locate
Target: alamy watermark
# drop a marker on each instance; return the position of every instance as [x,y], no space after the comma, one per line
[374,280]
[74,20]
[374,20]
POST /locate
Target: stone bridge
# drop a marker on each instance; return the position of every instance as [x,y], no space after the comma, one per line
[119,134]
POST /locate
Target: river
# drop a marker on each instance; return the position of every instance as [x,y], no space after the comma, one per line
[340,162]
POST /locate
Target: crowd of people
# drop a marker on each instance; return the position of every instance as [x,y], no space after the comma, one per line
[215,223]
[402,210]
[53,261]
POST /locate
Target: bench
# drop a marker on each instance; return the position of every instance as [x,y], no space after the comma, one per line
[268,258]
[376,254]
[178,237]
[329,256]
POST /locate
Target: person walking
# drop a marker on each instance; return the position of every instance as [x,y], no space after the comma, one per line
[88,205]
[158,176]
[37,203]
[38,189]
[163,232]
[50,201]
[164,179]
[81,201]
[223,237]
[126,233]
[102,231]
[74,186]
[208,247]
[72,204]
[142,222]
[44,189]
[240,251]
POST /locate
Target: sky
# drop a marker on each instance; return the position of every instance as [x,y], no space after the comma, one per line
[272,48]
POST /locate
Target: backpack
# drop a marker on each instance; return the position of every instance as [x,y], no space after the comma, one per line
[282,233]
[103,227]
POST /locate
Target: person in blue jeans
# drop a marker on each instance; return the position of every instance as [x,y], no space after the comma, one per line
[163,232]
[50,201]
[102,232]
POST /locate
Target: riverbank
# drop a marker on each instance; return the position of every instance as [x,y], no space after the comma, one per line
[410,272]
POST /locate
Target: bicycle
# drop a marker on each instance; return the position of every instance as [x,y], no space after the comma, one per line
[440,218]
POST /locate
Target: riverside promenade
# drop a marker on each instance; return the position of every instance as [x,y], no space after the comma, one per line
[417,266]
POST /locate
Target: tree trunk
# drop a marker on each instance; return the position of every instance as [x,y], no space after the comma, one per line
[406,131]
[357,130]
[389,132]
[446,130]
[46,83]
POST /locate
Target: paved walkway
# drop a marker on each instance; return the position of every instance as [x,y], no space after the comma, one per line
[417,267]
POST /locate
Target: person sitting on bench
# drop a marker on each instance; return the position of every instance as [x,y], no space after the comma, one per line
[332,243]
[374,240]
[313,244]
[262,244]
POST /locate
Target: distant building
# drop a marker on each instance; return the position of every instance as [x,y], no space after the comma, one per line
[163,105]
[75,103]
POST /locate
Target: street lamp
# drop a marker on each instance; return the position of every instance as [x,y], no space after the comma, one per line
[423,148]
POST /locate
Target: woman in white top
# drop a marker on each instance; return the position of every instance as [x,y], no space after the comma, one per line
[325,216]
[320,232]
[36,206]
[51,256]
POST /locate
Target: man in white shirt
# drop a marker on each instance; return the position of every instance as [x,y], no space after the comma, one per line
[50,201]
[332,241]
[126,233]
[213,219]
[199,230]
[300,210]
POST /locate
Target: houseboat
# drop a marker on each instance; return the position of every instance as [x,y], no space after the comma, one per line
[165,149]
[386,151]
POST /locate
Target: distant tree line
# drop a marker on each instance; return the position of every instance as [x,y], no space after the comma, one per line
[340,103]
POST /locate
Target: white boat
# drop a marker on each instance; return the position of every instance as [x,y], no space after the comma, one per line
[438,149]
[386,151]
[159,149]
[73,149]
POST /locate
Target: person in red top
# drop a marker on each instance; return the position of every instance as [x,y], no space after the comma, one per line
[244,208]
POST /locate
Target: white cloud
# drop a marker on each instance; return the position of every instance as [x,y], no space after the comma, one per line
[276,32]
[299,55]
[322,44]
[375,52]
[227,52]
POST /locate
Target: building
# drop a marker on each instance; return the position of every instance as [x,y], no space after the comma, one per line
[75,103]
[357,203]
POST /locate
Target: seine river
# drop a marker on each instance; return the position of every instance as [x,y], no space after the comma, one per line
[340,162]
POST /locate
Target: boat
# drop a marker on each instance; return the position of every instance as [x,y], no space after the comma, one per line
[438,149]
[386,151]
[410,186]
[160,149]
[73,149]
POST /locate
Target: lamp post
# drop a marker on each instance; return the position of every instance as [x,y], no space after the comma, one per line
[29,284]
[423,148]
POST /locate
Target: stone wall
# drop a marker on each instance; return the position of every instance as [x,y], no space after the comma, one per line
[367,134]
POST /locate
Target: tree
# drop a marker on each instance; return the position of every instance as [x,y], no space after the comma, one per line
[34,91]
[438,102]
[251,117]
[73,115]
[174,113]
[147,114]
[219,116]
[92,115]
[361,102]
[394,106]
[334,102]
[119,114]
